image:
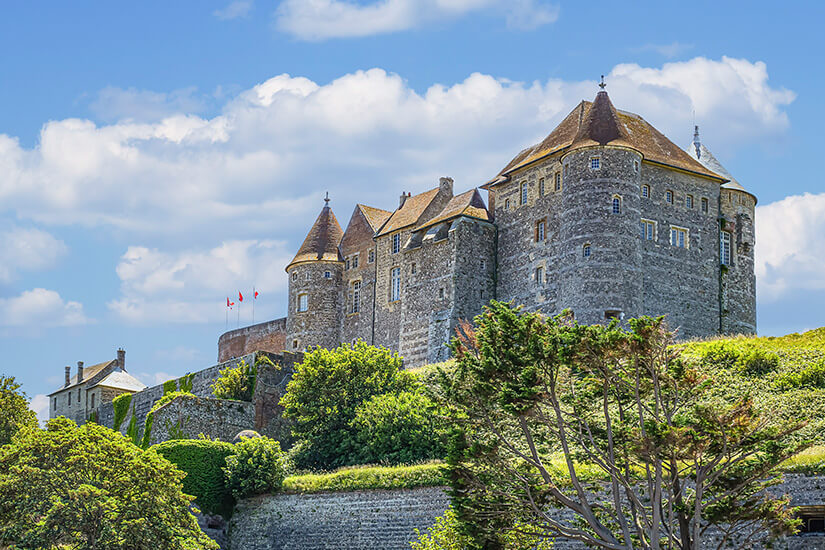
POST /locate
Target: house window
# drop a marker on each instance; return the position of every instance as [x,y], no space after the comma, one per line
[669,196]
[93,401]
[617,204]
[724,248]
[558,182]
[678,237]
[327,275]
[645,191]
[355,261]
[371,256]
[539,276]
[483,265]
[481,294]
[355,295]
[396,243]
[594,163]
[507,204]
[55,403]
[813,520]
[294,275]
[413,269]
[541,187]
[586,250]
[347,265]
[395,284]
[523,193]
[689,202]
[704,205]
[540,231]
[648,230]
[303,302]
[440,293]
[70,398]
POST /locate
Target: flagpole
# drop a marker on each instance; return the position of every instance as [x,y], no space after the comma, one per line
[253,304]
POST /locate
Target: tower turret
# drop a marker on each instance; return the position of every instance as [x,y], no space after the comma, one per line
[315,274]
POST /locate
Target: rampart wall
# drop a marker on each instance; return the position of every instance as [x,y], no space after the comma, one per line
[269,336]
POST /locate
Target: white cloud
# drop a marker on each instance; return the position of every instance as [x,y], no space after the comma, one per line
[191,286]
[113,104]
[40,405]
[665,50]
[40,308]
[790,251]
[236,9]
[23,249]
[324,19]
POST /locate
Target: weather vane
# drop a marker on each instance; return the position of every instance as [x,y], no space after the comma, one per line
[602,84]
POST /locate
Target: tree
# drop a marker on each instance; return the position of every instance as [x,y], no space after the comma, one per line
[611,425]
[325,392]
[89,488]
[257,466]
[14,410]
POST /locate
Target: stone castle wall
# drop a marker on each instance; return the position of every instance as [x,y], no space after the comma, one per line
[187,418]
[320,324]
[357,322]
[738,284]
[268,336]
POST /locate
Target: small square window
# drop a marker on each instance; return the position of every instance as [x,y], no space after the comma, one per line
[595,163]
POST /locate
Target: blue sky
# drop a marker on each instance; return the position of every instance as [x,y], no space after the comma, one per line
[156,157]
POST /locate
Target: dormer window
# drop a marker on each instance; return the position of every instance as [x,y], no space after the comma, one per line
[595,163]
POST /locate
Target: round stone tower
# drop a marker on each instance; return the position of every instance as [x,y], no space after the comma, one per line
[315,275]
[601,261]
[737,279]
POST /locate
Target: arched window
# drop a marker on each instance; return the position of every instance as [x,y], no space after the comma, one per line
[645,191]
[617,204]
[586,250]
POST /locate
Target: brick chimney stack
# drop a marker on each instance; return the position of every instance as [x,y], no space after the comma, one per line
[68,375]
[79,372]
[121,359]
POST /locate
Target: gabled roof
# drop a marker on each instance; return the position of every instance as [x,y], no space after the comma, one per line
[88,373]
[698,151]
[321,243]
[375,216]
[468,204]
[409,213]
[600,123]
[122,381]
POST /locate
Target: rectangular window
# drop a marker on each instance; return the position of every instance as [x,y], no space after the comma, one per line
[669,196]
[413,268]
[303,302]
[539,276]
[645,191]
[507,204]
[371,256]
[396,243]
[483,265]
[93,401]
[523,193]
[558,182]
[540,231]
[689,202]
[55,403]
[704,205]
[355,261]
[355,307]
[648,230]
[724,248]
[440,293]
[678,237]
[541,187]
[594,163]
[395,284]
[346,264]
[327,275]
[70,399]
[295,344]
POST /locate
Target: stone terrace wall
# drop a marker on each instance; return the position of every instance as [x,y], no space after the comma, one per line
[358,520]
[269,336]
[189,417]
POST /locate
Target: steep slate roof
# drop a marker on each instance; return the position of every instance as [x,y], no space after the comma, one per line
[321,243]
[698,151]
[88,374]
[375,216]
[122,381]
[468,204]
[409,212]
[600,123]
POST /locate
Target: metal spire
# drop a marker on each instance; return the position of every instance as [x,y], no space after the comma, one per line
[602,84]
[696,142]
[326,200]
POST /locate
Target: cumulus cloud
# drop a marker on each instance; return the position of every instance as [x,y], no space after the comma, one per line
[324,19]
[40,405]
[268,158]
[790,252]
[27,249]
[191,286]
[235,10]
[40,307]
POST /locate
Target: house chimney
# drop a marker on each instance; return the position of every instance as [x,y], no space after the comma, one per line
[121,359]
[79,372]
[68,375]
[402,199]
[446,185]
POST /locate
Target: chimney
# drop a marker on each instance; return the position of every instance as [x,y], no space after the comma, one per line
[79,372]
[121,359]
[68,375]
[446,185]
[402,199]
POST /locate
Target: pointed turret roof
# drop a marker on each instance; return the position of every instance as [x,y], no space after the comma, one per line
[321,243]
[600,123]
[468,204]
[698,151]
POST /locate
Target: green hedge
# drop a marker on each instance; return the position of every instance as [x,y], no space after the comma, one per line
[368,477]
[203,462]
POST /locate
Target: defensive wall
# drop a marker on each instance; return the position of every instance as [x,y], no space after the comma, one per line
[268,336]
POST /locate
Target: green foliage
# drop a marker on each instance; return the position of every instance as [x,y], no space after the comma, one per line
[258,466]
[746,360]
[121,405]
[203,462]
[368,477]
[170,386]
[446,534]
[399,428]
[325,393]
[88,487]
[132,429]
[149,422]
[185,383]
[808,376]
[236,382]
[14,410]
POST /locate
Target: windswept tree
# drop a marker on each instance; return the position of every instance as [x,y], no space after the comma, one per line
[611,425]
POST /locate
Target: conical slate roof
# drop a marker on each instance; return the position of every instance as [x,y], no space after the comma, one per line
[698,151]
[321,244]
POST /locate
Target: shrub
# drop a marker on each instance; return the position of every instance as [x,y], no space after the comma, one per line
[747,361]
[170,386]
[360,478]
[446,534]
[399,429]
[812,375]
[236,382]
[203,462]
[185,383]
[756,362]
[258,466]
[121,405]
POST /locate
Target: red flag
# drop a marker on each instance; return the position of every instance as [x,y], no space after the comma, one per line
[256,294]
[229,304]
[240,297]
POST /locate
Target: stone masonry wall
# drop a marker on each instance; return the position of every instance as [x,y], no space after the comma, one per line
[320,324]
[356,322]
[738,280]
[187,418]
[269,336]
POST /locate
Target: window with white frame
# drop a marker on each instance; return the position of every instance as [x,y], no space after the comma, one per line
[645,191]
[539,276]
[689,201]
[354,261]
[355,302]
[704,205]
[541,187]
[669,196]
[678,237]
[595,163]
[725,248]
[371,256]
[347,264]
[540,231]
[558,181]
[396,243]
[303,302]
[648,230]
[395,284]
[586,250]
[617,204]
[523,193]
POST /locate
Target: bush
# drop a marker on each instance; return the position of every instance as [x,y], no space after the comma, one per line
[368,477]
[236,382]
[325,392]
[812,376]
[446,534]
[258,466]
[399,429]
[747,361]
[170,386]
[202,461]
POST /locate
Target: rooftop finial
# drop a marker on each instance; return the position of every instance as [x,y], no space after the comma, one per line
[602,84]
[696,142]
[326,199]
